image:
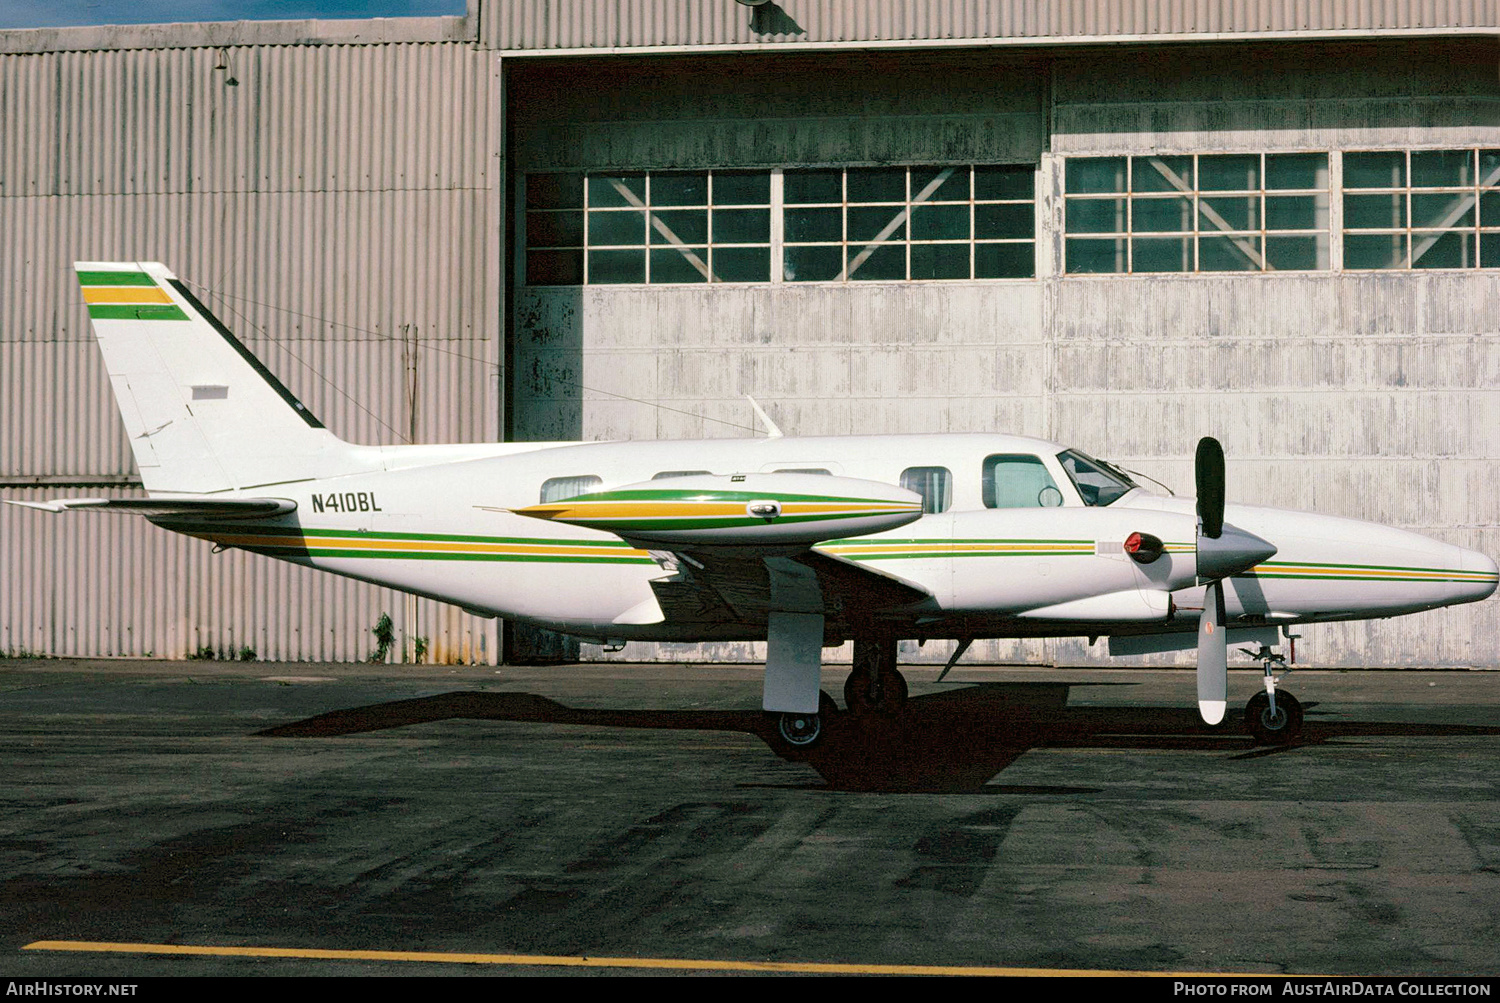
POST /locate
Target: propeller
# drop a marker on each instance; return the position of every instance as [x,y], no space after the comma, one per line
[1222,551]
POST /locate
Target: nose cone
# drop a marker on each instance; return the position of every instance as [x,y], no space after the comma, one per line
[1232,552]
[1478,577]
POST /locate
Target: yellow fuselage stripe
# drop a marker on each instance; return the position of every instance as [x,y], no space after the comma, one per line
[582,961]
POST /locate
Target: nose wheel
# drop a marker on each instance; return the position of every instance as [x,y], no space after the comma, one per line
[1273,717]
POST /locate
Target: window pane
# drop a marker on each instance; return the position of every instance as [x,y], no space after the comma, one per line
[742,264]
[613,267]
[1489,250]
[1096,485]
[814,224]
[940,261]
[934,484]
[877,184]
[1017,181]
[616,191]
[679,188]
[1006,261]
[674,265]
[559,488]
[627,227]
[742,226]
[1018,481]
[1158,254]
[1161,215]
[1229,254]
[944,222]
[812,186]
[1453,249]
[554,268]
[1161,174]
[1229,213]
[1297,254]
[1383,250]
[689,226]
[1018,220]
[554,191]
[742,187]
[1442,168]
[1385,169]
[554,229]
[1093,256]
[871,223]
[1296,170]
[1089,175]
[1297,212]
[1489,209]
[1238,173]
[887,262]
[1084,216]
[954,189]
[812,264]
[1371,212]
[1489,167]
[1442,211]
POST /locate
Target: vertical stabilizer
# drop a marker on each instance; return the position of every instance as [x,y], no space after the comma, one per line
[202,413]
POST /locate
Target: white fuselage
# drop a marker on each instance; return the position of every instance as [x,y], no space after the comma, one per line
[442,527]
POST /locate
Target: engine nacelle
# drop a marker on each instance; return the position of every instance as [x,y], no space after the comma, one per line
[728,510]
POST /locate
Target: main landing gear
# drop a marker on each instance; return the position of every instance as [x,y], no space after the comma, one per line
[875,685]
[1273,717]
[802,731]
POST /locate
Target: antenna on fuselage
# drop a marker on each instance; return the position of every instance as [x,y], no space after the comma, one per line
[772,432]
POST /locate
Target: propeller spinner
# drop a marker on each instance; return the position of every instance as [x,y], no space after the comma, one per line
[1222,551]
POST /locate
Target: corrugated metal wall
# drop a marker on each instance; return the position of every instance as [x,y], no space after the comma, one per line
[571,24]
[337,207]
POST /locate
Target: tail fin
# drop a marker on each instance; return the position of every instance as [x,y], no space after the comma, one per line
[202,413]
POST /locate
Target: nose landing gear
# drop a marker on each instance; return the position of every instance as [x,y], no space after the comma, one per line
[875,684]
[1274,718]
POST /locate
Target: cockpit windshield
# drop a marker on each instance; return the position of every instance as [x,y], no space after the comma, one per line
[1098,482]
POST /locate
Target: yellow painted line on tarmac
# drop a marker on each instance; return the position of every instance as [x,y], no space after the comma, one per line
[566,961]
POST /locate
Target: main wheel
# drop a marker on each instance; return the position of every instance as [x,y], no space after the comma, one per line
[884,693]
[1274,729]
[802,731]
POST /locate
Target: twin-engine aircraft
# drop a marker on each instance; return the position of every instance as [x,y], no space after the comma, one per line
[802,542]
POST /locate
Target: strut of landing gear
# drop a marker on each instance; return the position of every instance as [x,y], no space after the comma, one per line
[1273,717]
[875,685]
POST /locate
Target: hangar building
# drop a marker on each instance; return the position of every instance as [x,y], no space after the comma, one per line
[1118,225]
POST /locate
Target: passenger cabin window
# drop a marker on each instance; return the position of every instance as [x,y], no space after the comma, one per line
[1018,480]
[668,474]
[558,488]
[1098,482]
[934,484]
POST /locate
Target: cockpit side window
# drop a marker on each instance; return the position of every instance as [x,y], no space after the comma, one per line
[934,484]
[1097,482]
[1018,480]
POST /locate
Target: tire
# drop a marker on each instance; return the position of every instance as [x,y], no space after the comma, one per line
[889,696]
[1279,729]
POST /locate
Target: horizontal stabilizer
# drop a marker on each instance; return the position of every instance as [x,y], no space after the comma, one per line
[173,508]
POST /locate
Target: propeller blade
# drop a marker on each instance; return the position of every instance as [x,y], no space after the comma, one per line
[1213,656]
[1209,471]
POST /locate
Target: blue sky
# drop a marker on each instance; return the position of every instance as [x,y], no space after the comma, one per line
[57,13]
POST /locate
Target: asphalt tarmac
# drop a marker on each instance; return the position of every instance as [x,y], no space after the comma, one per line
[602,819]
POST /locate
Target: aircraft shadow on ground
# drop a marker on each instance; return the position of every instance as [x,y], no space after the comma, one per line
[951,741]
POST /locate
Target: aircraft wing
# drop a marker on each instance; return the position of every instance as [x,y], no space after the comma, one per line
[742,544]
[720,587]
